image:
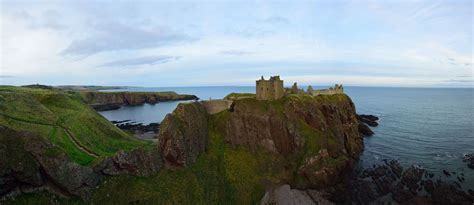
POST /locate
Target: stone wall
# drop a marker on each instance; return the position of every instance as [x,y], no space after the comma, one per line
[215,106]
[338,89]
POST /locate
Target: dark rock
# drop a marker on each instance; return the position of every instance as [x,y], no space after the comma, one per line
[431,175]
[446,173]
[138,162]
[429,186]
[469,159]
[397,169]
[183,134]
[363,192]
[448,194]
[368,119]
[411,177]
[364,130]
[152,127]
[401,195]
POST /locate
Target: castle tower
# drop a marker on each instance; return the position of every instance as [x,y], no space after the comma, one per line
[271,89]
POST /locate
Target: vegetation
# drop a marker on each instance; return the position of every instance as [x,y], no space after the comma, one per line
[65,120]
[235,96]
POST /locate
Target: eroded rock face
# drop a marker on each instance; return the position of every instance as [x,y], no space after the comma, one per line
[321,132]
[137,162]
[28,161]
[183,134]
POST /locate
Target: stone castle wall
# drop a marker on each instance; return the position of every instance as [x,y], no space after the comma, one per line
[216,106]
[338,89]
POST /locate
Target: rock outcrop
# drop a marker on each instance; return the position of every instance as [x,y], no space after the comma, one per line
[364,122]
[101,101]
[29,161]
[469,159]
[137,162]
[183,134]
[320,131]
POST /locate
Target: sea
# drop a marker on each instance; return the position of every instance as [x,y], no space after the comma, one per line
[432,128]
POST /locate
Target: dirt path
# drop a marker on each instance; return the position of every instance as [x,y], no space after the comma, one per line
[69,135]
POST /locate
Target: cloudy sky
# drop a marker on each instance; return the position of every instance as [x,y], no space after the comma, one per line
[185,43]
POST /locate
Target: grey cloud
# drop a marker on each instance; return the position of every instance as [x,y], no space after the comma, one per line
[113,37]
[147,60]
[234,52]
[7,76]
[460,81]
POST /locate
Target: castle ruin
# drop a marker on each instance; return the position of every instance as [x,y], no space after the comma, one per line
[271,89]
[338,89]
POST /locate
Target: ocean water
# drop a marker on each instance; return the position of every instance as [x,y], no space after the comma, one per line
[429,127]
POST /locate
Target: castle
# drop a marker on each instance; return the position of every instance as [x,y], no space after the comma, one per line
[271,89]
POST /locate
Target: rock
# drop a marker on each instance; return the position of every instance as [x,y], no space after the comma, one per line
[363,192]
[364,130]
[183,134]
[284,195]
[397,169]
[446,173]
[29,161]
[138,162]
[101,101]
[283,127]
[411,177]
[401,195]
[449,194]
[469,159]
[368,119]
[429,186]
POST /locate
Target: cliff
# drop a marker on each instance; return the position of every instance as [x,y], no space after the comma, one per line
[302,140]
[113,100]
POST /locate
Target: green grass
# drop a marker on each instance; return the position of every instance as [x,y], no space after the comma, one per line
[46,112]
[236,96]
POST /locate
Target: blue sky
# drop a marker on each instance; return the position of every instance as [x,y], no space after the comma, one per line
[190,43]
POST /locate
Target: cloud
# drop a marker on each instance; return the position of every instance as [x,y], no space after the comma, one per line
[276,20]
[49,19]
[147,60]
[234,52]
[7,76]
[115,36]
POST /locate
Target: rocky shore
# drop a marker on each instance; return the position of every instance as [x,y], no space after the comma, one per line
[139,130]
[364,122]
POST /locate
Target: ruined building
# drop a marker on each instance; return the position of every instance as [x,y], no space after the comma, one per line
[338,89]
[271,89]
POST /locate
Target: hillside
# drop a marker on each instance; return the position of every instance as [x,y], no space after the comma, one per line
[63,119]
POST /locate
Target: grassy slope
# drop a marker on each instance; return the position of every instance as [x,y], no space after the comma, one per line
[49,112]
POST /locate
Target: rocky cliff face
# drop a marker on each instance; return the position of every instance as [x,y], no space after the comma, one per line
[319,132]
[113,100]
[317,136]
[183,134]
[29,162]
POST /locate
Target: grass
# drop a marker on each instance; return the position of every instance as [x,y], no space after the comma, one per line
[236,96]
[47,111]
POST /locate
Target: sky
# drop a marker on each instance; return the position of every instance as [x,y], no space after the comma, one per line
[402,43]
